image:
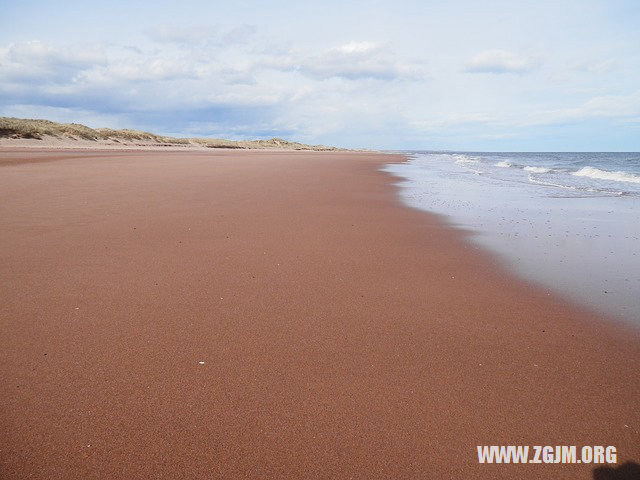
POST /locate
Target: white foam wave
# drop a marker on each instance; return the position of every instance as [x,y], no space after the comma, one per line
[598,174]
[537,169]
[550,184]
[503,164]
[462,159]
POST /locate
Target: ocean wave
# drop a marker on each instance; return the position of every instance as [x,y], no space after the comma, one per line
[503,164]
[550,184]
[537,169]
[462,159]
[598,174]
[506,164]
[599,191]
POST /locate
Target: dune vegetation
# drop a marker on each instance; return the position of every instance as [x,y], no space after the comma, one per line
[22,128]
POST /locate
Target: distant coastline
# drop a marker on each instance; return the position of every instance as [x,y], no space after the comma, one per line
[25,132]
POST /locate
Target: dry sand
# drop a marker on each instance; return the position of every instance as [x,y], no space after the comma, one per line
[235,314]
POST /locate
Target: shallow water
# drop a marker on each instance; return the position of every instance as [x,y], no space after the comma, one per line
[568,221]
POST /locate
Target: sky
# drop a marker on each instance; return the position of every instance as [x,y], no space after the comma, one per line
[401,75]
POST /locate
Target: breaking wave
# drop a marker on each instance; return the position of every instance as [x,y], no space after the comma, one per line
[537,169]
[503,164]
[462,159]
[598,174]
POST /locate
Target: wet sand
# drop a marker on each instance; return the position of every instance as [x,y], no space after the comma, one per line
[234,314]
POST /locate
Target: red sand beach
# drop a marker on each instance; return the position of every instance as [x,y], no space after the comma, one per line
[234,314]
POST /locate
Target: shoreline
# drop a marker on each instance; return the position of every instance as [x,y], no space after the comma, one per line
[342,332]
[501,261]
[579,245]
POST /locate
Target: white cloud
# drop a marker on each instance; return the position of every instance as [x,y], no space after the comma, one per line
[500,61]
[189,35]
[357,60]
[39,53]
[182,34]
[602,106]
[622,108]
[455,121]
[357,47]
[35,60]
[603,66]
[137,70]
[613,105]
[239,35]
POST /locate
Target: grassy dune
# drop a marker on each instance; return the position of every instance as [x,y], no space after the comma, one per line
[22,128]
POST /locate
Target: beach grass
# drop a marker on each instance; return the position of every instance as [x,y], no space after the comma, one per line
[38,129]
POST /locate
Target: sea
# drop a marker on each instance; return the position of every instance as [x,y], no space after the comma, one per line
[569,222]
